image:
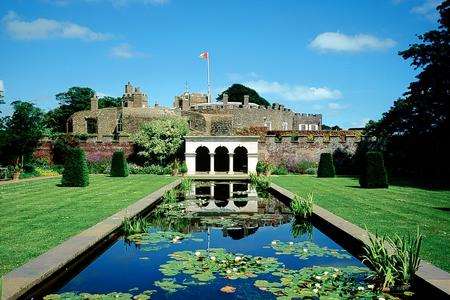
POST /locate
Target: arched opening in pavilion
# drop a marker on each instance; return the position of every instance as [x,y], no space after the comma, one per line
[240,160]
[202,163]
[221,159]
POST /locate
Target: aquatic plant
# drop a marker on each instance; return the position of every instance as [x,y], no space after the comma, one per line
[321,282]
[135,225]
[186,185]
[169,285]
[261,184]
[301,227]
[204,266]
[394,260]
[114,295]
[306,249]
[302,207]
[171,196]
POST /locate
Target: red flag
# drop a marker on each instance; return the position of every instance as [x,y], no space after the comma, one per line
[204,55]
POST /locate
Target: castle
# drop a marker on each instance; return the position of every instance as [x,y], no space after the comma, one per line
[204,118]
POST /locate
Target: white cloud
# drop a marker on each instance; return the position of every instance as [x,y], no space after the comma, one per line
[336,106]
[294,92]
[427,9]
[125,51]
[2,86]
[42,28]
[335,41]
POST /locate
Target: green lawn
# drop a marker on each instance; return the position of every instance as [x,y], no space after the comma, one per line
[398,209]
[38,215]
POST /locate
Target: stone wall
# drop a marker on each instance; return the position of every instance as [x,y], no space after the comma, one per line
[292,147]
[95,150]
[276,118]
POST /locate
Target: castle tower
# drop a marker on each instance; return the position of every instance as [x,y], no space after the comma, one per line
[133,97]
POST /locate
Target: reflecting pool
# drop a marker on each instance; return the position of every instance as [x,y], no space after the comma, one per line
[222,240]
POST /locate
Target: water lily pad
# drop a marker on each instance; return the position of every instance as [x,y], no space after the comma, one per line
[306,249]
[169,285]
[203,265]
[322,282]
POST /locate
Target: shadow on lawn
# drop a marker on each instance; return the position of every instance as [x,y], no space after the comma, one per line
[442,208]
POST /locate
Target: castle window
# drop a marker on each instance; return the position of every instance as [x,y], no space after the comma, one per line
[285,126]
[302,127]
[91,126]
[268,124]
[313,127]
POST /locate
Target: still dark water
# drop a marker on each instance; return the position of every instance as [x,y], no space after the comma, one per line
[233,218]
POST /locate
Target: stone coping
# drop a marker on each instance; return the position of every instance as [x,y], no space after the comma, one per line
[19,281]
[428,274]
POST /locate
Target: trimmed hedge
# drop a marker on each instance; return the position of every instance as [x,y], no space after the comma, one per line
[76,172]
[373,174]
[119,166]
[326,166]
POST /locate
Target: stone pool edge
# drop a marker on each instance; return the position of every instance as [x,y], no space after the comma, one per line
[19,281]
[431,275]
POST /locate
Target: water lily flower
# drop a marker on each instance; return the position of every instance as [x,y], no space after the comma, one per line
[305,250]
[336,269]
[315,291]
[318,277]
[223,261]
[381,298]
[360,288]
[234,269]
[274,242]
[291,243]
[317,285]
[325,273]
[198,253]
[213,258]
[228,271]
[371,286]
[334,275]
[237,258]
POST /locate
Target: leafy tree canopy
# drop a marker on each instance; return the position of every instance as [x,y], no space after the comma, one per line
[161,140]
[326,127]
[414,132]
[236,93]
[109,101]
[22,131]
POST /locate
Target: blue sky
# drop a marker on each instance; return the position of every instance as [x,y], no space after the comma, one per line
[338,58]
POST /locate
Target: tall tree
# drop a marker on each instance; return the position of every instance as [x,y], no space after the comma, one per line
[109,101]
[415,130]
[236,93]
[23,129]
[73,100]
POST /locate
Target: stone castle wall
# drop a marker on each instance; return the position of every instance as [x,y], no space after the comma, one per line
[305,145]
[246,117]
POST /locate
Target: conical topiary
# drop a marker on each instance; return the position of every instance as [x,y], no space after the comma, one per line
[119,166]
[326,166]
[76,172]
[373,174]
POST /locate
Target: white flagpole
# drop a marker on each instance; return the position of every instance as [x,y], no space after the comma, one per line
[209,81]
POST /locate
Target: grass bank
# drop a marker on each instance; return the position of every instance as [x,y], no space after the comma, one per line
[399,209]
[38,215]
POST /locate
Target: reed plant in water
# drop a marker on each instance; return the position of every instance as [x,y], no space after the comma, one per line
[302,207]
[170,196]
[394,260]
[135,225]
[185,185]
